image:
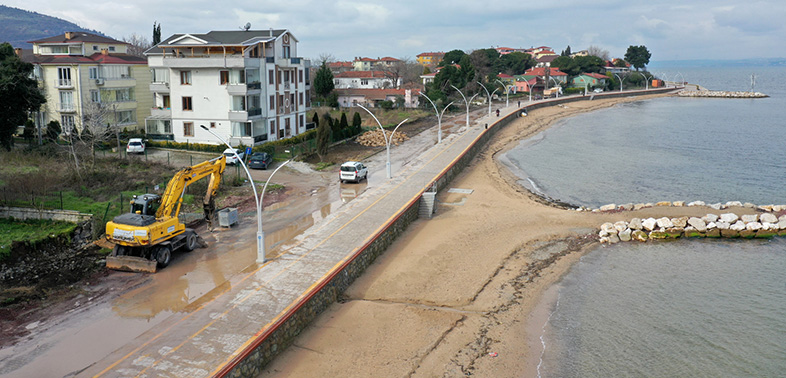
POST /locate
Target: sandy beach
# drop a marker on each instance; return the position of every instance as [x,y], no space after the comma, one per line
[455,295]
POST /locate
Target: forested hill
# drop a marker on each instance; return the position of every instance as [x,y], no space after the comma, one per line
[18,26]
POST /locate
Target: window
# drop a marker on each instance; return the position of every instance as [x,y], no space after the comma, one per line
[95,96]
[185,77]
[187,103]
[223,77]
[286,51]
[271,77]
[95,48]
[125,117]
[292,99]
[272,102]
[279,78]
[364,82]
[238,103]
[63,76]
[288,126]
[273,127]
[67,121]
[111,48]
[93,72]
[301,75]
[241,129]
[188,129]
[166,102]
[254,52]
[286,76]
[124,95]
[66,101]
[302,120]
[301,99]
[160,75]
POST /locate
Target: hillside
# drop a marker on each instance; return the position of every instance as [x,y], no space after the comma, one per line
[18,26]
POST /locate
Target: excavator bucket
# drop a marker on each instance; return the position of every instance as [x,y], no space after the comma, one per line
[130,264]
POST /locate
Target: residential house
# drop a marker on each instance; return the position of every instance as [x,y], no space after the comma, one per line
[339,67]
[348,97]
[508,50]
[553,74]
[545,60]
[428,59]
[589,80]
[247,86]
[612,68]
[363,64]
[83,73]
[428,78]
[528,83]
[365,79]
[579,53]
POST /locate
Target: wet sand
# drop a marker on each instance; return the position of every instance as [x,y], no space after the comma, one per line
[455,295]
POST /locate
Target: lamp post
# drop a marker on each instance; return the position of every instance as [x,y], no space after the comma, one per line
[488,94]
[507,92]
[388,139]
[465,101]
[646,82]
[682,83]
[555,82]
[260,235]
[261,204]
[618,77]
[439,116]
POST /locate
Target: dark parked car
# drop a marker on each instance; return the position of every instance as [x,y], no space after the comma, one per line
[260,160]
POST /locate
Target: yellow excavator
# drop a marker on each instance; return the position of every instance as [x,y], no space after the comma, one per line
[145,238]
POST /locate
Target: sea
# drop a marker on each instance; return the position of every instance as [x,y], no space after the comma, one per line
[688,308]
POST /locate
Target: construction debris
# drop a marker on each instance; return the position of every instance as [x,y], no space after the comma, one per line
[376,139]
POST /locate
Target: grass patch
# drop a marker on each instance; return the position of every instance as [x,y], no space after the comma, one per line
[29,230]
[323,165]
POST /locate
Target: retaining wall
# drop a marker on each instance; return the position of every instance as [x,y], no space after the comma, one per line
[290,323]
[28,213]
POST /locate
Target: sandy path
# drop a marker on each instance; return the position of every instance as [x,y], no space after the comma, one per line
[462,285]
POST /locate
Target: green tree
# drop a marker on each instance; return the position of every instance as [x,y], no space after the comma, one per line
[620,63]
[516,63]
[156,33]
[315,119]
[638,56]
[323,137]
[19,94]
[589,63]
[451,57]
[323,82]
[566,52]
[53,130]
[357,123]
[343,124]
[567,65]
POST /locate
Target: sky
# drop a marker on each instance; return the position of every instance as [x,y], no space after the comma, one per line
[345,29]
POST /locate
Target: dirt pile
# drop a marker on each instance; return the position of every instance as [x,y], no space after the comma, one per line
[376,139]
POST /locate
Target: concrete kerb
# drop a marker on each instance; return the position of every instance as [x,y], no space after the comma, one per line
[282,331]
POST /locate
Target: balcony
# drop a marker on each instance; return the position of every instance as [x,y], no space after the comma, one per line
[161,112]
[64,83]
[159,87]
[237,89]
[204,61]
[253,112]
[254,85]
[66,108]
[238,116]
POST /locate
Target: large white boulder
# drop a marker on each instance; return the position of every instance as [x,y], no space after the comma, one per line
[649,224]
[697,203]
[608,227]
[782,224]
[748,218]
[753,226]
[737,226]
[721,225]
[635,224]
[620,226]
[698,224]
[734,203]
[608,207]
[665,223]
[768,217]
[680,221]
[625,234]
[716,206]
[710,218]
[729,217]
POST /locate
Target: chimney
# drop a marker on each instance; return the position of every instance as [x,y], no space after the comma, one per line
[104,51]
[69,35]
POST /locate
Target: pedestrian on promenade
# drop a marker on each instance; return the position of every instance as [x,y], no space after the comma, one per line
[497,112]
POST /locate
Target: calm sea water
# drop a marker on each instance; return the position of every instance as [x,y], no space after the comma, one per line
[672,309]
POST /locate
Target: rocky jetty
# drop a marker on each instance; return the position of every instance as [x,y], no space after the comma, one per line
[721,94]
[725,225]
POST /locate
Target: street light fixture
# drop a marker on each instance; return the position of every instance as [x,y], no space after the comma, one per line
[388,139]
[646,81]
[488,94]
[261,204]
[618,77]
[260,235]
[439,116]
[507,92]
[555,82]
[465,101]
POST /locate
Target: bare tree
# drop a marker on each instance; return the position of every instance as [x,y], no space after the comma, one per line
[324,57]
[403,71]
[138,45]
[99,125]
[599,52]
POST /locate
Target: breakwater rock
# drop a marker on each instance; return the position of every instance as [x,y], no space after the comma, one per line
[722,94]
[725,225]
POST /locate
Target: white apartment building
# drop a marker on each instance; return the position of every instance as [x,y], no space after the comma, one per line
[249,87]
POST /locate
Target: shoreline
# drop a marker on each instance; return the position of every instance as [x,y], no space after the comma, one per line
[454,295]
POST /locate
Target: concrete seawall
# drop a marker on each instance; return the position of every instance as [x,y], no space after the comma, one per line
[282,331]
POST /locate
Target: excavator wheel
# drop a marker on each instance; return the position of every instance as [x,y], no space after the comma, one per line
[191,241]
[163,256]
[118,250]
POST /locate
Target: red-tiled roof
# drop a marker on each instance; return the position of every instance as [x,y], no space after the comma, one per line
[365,60]
[504,76]
[97,58]
[339,64]
[547,58]
[431,54]
[79,37]
[595,75]
[541,71]
[360,74]
[389,59]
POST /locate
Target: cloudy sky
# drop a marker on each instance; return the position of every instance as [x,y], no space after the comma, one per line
[671,30]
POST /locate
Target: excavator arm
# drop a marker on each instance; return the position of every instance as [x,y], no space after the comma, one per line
[172,198]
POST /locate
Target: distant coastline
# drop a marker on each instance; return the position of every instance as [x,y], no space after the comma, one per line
[707,63]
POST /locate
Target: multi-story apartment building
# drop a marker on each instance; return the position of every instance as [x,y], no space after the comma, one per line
[82,72]
[248,87]
[430,58]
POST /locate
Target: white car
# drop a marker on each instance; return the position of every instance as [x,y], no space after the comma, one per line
[598,90]
[230,154]
[352,171]
[135,146]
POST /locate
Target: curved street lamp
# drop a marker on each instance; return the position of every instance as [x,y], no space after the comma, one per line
[618,77]
[261,259]
[388,139]
[439,116]
[555,82]
[465,101]
[488,94]
[646,81]
[507,92]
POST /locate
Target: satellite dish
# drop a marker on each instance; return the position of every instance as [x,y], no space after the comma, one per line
[247,26]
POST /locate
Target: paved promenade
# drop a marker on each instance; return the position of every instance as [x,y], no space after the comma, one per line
[201,342]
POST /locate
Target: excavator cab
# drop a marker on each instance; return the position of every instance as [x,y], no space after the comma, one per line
[146,204]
